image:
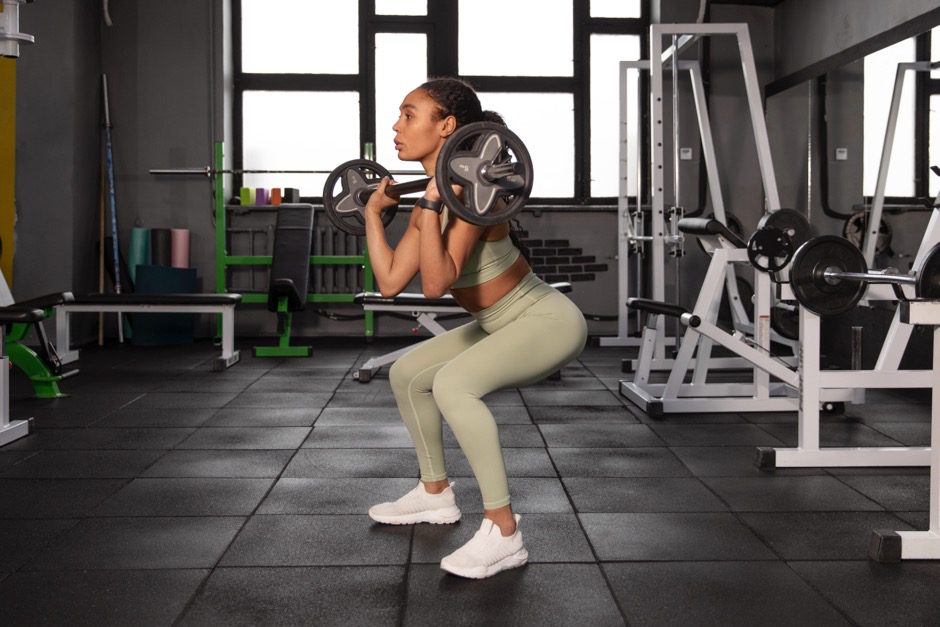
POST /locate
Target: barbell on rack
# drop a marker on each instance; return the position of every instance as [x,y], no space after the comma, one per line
[829,276]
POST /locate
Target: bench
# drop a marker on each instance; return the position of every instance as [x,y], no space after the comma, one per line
[14,314]
[223,304]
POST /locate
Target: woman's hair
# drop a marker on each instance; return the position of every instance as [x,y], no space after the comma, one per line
[456,97]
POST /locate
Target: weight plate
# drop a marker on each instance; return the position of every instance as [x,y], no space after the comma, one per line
[790,221]
[854,231]
[466,158]
[341,200]
[785,322]
[769,249]
[809,284]
[928,275]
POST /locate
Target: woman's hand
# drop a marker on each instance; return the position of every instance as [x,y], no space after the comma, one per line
[378,201]
[434,195]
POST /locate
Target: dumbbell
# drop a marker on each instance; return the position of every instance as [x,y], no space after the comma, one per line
[829,275]
[487,160]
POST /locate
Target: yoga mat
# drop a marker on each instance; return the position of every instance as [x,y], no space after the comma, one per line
[160,247]
[179,248]
[140,250]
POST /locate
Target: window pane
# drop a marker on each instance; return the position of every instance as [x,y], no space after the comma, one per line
[607,51]
[401,7]
[289,130]
[300,37]
[401,64]
[880,70]
[540,43]
[615,8]
[545,124]
[934,145]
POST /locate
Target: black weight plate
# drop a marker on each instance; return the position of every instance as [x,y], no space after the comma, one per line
[854,231]
[341,195]
[466,155]
[809,284]
[769,249]
[785,322]
[928,275]
[791,222]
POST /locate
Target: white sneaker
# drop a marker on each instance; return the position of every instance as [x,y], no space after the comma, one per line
[419,506]
[487,553]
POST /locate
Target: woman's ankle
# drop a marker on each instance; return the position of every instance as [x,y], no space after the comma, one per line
[502,518]
[435,487]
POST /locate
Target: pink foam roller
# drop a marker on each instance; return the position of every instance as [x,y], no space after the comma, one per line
[179,243]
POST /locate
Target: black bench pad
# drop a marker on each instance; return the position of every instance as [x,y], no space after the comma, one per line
[657,307]
[49,300]
[419,300]
[159,299]
[709,226]
[20,313]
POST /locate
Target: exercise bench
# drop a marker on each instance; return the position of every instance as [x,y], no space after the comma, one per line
[424,310]
[13,315]
[222,304]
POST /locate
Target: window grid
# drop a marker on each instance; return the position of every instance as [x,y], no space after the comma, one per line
[440,26]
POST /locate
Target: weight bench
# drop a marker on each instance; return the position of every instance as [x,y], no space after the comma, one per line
[424,310]
[15,315]
[223,304]
[43,365]
[290,275]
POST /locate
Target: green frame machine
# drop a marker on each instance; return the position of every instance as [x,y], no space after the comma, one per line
[223,260]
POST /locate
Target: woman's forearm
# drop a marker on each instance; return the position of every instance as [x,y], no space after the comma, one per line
[381,255]
[437,268]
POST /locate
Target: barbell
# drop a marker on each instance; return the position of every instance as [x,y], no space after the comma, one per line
[487,160]
[829,275]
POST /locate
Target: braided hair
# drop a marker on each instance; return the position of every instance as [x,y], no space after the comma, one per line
[456,97]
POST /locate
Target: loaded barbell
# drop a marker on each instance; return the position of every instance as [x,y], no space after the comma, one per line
[487,160]
[829,276]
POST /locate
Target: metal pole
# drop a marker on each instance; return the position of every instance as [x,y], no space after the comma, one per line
[114,227]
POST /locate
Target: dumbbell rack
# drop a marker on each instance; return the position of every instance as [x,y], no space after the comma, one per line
[223,260]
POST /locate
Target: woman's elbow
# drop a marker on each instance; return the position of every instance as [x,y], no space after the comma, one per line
[433,291]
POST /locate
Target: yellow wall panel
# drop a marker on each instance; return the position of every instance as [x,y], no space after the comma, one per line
[7,162]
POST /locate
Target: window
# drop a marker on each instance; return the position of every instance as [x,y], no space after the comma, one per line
[540,43]
[880,71]
[401,7]
[615,8]
[933,119]
[291,37]
[317,83]
[607,51]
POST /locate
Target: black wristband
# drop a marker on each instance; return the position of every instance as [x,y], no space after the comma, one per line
[433,205]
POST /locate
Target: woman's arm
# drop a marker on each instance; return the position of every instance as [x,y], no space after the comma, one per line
[442,257]
[393,268]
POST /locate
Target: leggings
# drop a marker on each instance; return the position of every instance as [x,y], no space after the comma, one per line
[525,336]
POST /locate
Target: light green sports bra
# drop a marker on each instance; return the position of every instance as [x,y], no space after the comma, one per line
[487,261]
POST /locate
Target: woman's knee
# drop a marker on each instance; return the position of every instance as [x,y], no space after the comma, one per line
[450,390]
[402,375]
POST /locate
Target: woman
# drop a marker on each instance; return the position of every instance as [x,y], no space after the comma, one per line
[523,330]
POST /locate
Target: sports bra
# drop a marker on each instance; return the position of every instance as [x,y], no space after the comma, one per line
[487,261]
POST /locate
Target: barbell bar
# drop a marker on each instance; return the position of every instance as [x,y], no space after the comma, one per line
[207,171]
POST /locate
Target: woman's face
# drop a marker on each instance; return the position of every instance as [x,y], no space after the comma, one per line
[418,133]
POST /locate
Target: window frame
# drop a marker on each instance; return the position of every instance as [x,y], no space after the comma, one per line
[441,26]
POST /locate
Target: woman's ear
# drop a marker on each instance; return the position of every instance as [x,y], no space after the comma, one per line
[448,126]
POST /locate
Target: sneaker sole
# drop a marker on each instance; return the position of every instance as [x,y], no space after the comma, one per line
[513,561]
[435,517]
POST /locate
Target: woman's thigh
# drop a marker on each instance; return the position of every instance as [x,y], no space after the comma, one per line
[547,336]
[423,361]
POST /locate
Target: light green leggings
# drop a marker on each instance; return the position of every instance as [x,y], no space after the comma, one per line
[528,334]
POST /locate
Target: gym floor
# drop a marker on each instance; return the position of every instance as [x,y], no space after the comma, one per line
[161,493]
